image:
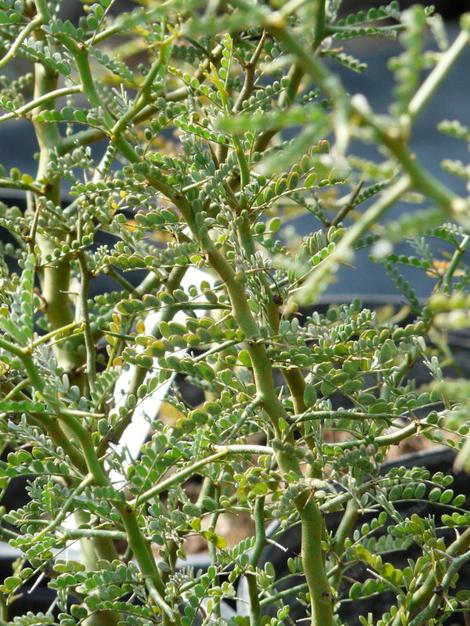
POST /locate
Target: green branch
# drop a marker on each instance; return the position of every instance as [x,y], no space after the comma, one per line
[27,30]
[89,341]
[440,71]
[38,102]
[426,591]
[187,472]
[251,579]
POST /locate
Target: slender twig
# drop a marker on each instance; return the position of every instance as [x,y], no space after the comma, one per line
[455,260]
[21,185]
[62,514]
[343,250]
[185,473]
[27,30]
[54,334]
[425,592]
[342,213]
[89,341]
[251,579]
[47,97]
[439,72]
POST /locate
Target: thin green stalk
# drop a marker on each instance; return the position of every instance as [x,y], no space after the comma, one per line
[29,106]
[143,96]
[61,440]
[125,284]
[293,375]
[263,374]
[341,414]
[93,549]
[8,183]
[423,595]
[427,613]
[31,369]
[91,533]
[62,514]
[251,578]
[55,287]
[27,30]
[311,519]
[344,530]
[437,75]
[55,276]
[280,595]
[42,8]
[260,532]
[386,440]
[455,260]
[313,558]
[11,348]
[185,473]
[17,388]
[137,542]
[58,332]
[89,341]
[313,561]
[342,252]
[319,29]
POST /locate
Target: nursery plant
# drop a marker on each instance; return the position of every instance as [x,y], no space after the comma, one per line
[175,140]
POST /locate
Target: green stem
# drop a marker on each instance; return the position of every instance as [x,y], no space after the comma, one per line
[47,97]
[89,341]
[313,561]
[435,78]
[341,414]
[263,373]
[42,8]
[280,595]
[386,440]
[55,276]
[344,530]
[455,260]
[55,292]
[185,473]
[27,30]
[12,348]
[137,542]
[7,183]
[61,440]
[319,29]
[79,533]
[260,542]
[61,332]
[424,594]
[426,614]
[342,252]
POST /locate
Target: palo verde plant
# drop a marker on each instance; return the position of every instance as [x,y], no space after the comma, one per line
[167,129]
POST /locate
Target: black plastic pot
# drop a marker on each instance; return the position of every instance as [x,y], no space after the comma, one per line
[439,459]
